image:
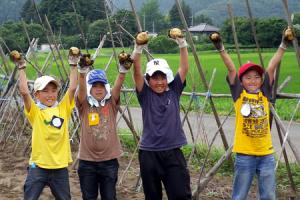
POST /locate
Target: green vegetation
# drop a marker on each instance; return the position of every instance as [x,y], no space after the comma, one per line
[209,60]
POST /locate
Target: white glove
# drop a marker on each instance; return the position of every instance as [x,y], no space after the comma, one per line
[73,60]
[21,64]
[122,69]
[138,49]
[181,42]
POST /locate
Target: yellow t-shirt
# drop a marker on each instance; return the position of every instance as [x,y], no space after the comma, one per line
[252,132]
[50,137]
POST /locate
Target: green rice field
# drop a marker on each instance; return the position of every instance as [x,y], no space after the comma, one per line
[209,60]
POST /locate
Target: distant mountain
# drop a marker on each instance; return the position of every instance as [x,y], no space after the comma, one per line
[11,9]
[215,9]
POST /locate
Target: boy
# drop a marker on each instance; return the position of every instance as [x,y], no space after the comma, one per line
[160,157]
[251,92]
[100,147]
[49,119]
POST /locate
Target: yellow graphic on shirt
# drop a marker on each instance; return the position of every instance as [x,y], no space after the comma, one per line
[94,119]
[252,132]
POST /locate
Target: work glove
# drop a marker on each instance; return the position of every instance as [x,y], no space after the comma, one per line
[288,36]
[141,40]
[125,62]
[74,56]
[85,63]
[18,59]
[216,39]
[177,36]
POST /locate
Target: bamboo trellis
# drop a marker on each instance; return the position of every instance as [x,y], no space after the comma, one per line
[14,127]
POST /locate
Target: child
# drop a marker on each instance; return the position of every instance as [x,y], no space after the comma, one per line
[160,157]
[51,152]
[100,147]
[251,92]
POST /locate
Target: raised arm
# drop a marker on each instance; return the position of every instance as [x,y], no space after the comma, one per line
[217,41]
[73,82]
[125,63]
[83,68]
[73,58]
[287,37]
[137,72]
[23,86]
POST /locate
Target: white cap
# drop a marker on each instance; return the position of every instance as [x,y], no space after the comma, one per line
[159,65]
[41,82]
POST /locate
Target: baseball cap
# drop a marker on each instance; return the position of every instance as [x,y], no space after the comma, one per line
[97,75]
[245,67]
[41,82]
[159,65]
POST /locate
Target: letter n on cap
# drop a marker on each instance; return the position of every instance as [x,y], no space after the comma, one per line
[156,62]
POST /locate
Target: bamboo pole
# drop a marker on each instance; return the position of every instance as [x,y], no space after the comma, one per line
[290,23]
[282,127]
[276,89]
[84,40]
[254,33]
[235,38]
[200,69]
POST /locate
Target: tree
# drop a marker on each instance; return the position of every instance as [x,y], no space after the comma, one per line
[175,17]
[28,12]
[14,36]
[153,20]
[202,19]
[127,20]
[269,31]
[58,11]
[296,18]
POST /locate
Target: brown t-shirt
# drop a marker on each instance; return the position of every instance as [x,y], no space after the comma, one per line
[98,134]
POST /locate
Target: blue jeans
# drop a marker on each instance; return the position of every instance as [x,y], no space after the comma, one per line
[56,179]
[102,176]
[246,166]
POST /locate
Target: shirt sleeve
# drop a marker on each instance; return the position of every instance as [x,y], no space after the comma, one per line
[235,88]
[68,105]
[267,87]
[142,94]
[177,84]
[32,112]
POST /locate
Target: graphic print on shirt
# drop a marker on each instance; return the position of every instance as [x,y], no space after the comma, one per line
[255,125]
[99,122]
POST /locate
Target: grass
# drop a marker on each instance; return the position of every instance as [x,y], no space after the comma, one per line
[209,60]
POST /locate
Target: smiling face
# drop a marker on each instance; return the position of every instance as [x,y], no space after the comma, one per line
[48,95]
[98,91]
[252,81]
[158,82]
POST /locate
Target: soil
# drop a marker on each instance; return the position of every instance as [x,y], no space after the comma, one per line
[13,169]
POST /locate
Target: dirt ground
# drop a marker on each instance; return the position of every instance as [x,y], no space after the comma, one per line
[13,173]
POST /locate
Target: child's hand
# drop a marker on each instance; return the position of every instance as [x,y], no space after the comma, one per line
[74,56]
[140,42]
[85,63]
[176,35]
[216,39]
[18,59]
[288,36]
[125,62]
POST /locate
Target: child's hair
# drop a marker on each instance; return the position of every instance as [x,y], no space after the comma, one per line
[154,74]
